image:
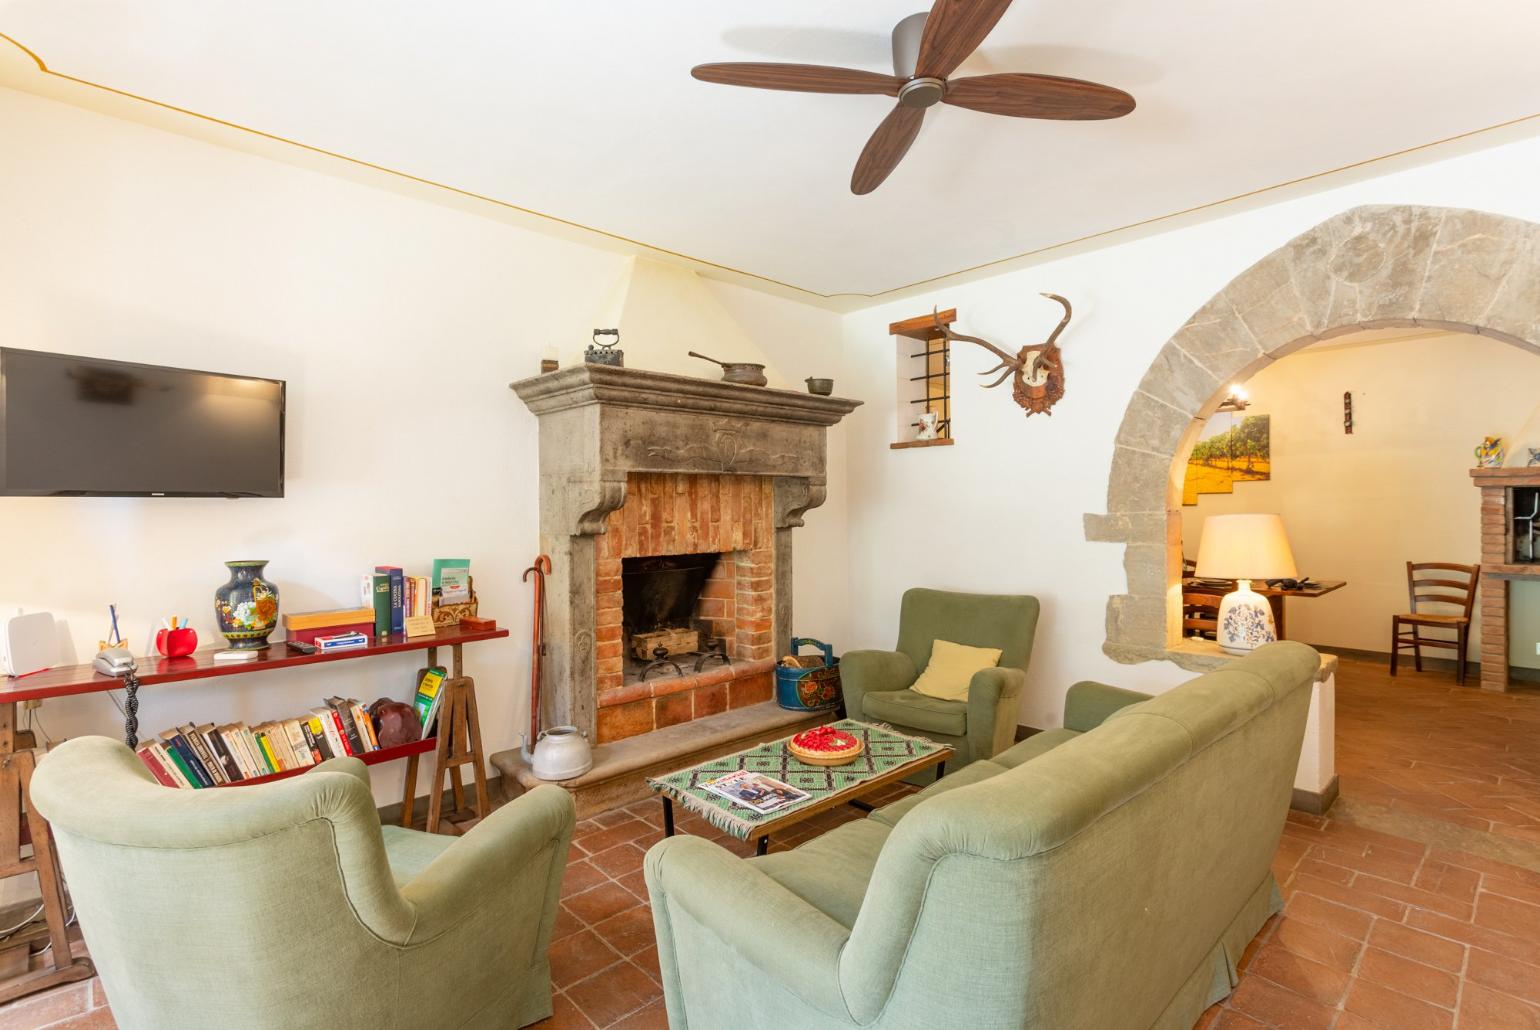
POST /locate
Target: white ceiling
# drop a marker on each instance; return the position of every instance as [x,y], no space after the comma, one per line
[586,110]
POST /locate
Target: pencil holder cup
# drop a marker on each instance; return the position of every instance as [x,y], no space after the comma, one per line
[176,643]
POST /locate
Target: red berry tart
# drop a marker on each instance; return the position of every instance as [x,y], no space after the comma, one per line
[825,745]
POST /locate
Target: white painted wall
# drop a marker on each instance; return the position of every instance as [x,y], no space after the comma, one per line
[126,242]
[1398,489]
[1001,510]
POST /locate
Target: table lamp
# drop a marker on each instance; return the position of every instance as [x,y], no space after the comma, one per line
[1244,548]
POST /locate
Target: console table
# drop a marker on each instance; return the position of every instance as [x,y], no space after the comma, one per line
[457,743]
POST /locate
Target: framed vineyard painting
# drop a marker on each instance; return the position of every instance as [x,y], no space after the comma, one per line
[1235,447]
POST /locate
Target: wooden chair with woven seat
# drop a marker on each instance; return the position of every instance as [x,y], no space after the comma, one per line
[1200,614]
[1444,585]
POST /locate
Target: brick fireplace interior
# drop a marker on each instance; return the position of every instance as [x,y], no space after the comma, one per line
[685,566]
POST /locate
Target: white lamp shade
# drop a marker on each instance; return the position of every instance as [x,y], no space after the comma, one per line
[1245,547]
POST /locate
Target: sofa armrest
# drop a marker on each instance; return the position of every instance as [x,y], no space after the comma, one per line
[1088,704]
[992,706]
[352,766]
[864,671]
[491,866]
[791,942]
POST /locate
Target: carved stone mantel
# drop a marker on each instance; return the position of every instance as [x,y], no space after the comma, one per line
[599,424]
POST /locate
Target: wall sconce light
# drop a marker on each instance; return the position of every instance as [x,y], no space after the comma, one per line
[1238,400]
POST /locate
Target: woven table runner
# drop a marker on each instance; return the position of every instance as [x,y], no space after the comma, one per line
[886,751]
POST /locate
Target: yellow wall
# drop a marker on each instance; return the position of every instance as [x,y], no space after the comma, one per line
[1359,507]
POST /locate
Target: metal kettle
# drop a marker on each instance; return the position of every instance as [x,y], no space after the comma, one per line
[561,753]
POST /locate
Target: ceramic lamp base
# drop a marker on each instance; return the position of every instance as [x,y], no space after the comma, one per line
[1245,620]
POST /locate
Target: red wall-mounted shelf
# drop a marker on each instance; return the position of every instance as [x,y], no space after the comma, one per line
[69,680]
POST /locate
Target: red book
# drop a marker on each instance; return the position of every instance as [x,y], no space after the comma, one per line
[156,769]
[342,731]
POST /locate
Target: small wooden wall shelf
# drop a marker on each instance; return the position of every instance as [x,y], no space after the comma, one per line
[904,445]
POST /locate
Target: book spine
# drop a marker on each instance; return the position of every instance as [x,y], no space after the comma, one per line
[189,758]
[253,753]
[341,732]
[365,726]
[297,742]
[226,759]
[317,733]
[235,737]
[166,761]
[397,598]
[381,597]
[205,754]
[308,636]
[268,754]
[329,727]
[151,762]
[311,744]
[349,729]
[177,759]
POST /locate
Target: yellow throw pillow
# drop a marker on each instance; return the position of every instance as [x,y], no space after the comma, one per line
[951,667]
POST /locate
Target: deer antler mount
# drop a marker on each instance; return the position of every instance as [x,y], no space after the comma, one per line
[1037,370]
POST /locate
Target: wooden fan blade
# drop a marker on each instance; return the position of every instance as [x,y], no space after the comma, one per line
[886,148]
[800,78]
[953,30]
[1021,95]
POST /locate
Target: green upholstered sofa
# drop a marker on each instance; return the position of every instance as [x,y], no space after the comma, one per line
[288,905]
[876,683]
[1104,875]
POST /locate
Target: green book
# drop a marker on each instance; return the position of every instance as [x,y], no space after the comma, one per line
[181,764]
[379,593]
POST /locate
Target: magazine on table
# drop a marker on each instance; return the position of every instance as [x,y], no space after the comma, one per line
[755,791]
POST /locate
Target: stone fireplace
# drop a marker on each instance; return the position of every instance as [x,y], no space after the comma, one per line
[667,505]
[1510,550]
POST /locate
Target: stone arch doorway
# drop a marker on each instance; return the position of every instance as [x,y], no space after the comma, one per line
[1370,267]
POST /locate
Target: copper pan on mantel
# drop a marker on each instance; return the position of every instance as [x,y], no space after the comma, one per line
[746,373]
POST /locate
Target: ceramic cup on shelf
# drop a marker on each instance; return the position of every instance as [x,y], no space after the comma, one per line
[246,607]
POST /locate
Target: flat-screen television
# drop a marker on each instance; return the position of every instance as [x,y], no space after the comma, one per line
[72,426]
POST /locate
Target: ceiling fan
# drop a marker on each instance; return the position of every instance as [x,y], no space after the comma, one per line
[928,47]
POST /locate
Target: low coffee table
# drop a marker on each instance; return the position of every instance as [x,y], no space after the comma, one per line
[888,756]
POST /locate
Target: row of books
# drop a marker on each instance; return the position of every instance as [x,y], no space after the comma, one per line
[395,597]
[211,756]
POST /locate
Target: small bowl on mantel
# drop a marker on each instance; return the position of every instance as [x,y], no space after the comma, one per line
[821,387]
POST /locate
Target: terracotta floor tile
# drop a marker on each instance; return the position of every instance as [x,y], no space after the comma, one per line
[1229,1019]
[1483,1009]
[628,932]
[601,902]
[1509,916]
[1277,1006]
[1394,1010]
[1349,922]
[653,1017]
[1317,943]
[1413,979]
[1476,936]
[617,992]
[1426,948]
[578,957]
[580,876]
[566,924]
[48,1007]
[1413,896]
[96,1019]
[1504,974]
[564,1016]
[647,961]
[619,860]
[1300,975]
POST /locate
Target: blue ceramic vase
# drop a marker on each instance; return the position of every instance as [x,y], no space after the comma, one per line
[246,607]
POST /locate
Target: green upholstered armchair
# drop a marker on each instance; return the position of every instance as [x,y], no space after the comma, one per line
[876,683]
[288,905]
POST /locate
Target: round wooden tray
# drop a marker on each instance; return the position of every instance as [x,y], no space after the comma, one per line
[823,757]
